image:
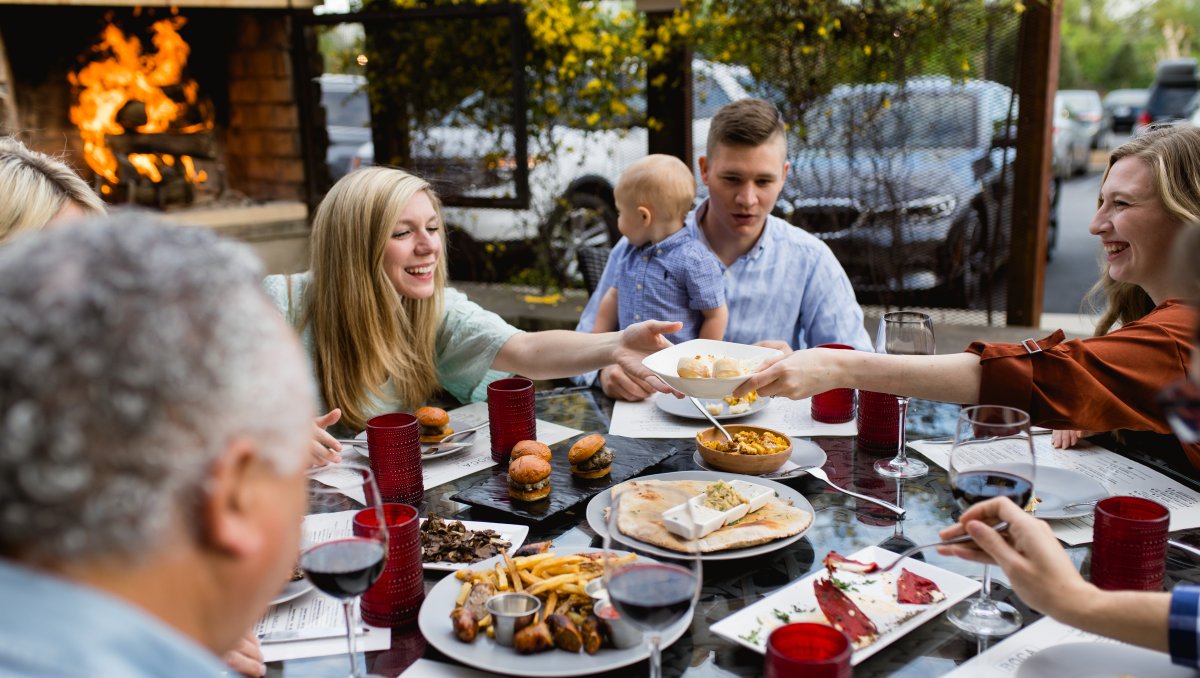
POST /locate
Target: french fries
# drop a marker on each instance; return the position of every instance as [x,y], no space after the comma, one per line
[557,580]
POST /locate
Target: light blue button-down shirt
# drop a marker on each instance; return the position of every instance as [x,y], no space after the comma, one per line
[50,627]
[788,287]
[672,280]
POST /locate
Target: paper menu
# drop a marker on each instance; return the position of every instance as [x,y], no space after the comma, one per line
[314,610]
[1004,659]
[793,417]
[1121,476]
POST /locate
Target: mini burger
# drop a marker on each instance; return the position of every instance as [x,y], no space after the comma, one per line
[531,447]
[434,424]
[590,458]
[529,478]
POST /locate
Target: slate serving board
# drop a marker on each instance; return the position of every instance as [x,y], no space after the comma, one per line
[631,456]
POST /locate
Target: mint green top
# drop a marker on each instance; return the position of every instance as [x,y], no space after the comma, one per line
[468,339]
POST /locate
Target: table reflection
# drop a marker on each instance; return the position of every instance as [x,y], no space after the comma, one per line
[842,523]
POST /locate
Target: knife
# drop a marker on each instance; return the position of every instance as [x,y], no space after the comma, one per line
[307,634]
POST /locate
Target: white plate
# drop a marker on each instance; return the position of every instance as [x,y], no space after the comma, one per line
[805,455]
[665,364]
[682,407]
[1088,660]
[484,653]
[515,534]
[293,590]
[873,593]
[596,508]
[1058,487]
[442,450]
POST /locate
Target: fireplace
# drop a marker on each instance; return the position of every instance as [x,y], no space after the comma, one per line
[189,109]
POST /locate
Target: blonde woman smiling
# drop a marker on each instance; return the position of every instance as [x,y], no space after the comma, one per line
[385,333]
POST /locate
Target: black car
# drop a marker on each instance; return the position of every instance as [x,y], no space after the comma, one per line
[1175,83]
[1122,107]
[907,185]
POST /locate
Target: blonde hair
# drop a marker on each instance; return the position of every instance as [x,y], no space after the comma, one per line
[662,183]
[1172,152]
[364,331]
[37,187]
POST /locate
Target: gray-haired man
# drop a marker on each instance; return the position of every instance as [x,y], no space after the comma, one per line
[154,419]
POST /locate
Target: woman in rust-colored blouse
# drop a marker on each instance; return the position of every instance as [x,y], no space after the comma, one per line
[1150,195]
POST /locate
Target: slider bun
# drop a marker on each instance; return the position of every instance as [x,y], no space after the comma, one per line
[432,416]
[725,368]
[531,447]
[528,469]
[585,447]
[692,367]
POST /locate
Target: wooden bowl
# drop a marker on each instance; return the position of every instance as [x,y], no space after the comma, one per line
[748,464]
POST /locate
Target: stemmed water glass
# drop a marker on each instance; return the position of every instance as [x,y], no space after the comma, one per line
[904,333]
[649,588]
[982,468]
[344,557]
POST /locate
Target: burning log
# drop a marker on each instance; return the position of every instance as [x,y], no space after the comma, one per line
[197,145]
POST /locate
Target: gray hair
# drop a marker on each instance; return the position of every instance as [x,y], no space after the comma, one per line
[131,354]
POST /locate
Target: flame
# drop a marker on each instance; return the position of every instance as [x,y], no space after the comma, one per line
[123,73]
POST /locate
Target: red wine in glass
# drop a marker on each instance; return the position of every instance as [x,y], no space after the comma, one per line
[972,487]
[652,595]
[344,568]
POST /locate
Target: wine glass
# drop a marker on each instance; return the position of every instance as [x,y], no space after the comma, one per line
[651,588]
[982,468]
[904,333]
[344,557]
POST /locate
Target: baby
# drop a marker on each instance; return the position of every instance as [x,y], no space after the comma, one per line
[666,274]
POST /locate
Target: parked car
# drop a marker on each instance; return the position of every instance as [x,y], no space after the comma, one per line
[347,119]
[571,186]
[1070,141]
[909,184]
[1122,108]
[1175,83]
[1087,111]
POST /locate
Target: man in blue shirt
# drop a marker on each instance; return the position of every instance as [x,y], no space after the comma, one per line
[784,287]
[156,418]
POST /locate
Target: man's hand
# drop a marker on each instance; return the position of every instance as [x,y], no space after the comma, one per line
[324,447]
[775,344]
[246,658]
[638,341]
[1038,568]
[618,385]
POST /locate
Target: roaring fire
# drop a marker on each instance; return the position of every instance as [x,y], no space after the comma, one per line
[123,73]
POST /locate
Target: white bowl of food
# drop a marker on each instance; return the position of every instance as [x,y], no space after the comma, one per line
[705,368]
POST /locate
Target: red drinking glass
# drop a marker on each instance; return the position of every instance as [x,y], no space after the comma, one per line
[878,421]
[394,445]
[836,406]
[1129,544]
[510,415]
[805,649]
[395,598]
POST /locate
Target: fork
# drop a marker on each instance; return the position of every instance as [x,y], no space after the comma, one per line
[452,436]
[819,473]
[999,527]
[948,440]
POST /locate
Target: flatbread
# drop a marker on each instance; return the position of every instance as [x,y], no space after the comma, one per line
[641,498]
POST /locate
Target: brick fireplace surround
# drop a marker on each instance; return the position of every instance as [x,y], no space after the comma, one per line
[242,59]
